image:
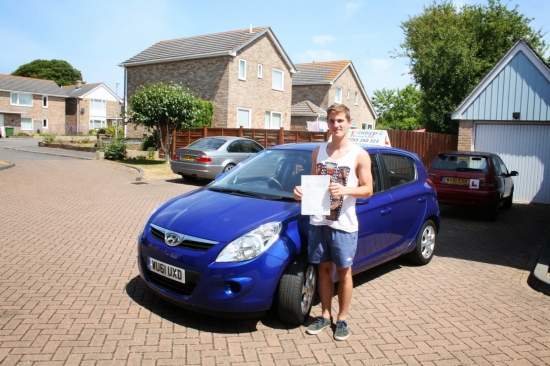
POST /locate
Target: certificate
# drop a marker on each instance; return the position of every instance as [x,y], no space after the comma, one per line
[315,195]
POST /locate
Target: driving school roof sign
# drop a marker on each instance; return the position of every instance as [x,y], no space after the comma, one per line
[370,137]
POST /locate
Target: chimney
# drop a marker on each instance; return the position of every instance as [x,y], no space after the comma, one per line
[78,84]
[250,30]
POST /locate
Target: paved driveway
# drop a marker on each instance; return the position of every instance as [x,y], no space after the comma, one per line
[70,293]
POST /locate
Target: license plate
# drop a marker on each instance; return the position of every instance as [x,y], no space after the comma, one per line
[166,270]
[187,158]
[457,181]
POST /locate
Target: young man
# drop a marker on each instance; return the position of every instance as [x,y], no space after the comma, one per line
[333,238]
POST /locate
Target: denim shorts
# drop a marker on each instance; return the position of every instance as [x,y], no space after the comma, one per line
[326,244]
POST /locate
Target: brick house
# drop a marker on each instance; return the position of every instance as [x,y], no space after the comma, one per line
[34,105]
[317,85]
[90,107]
[245,73]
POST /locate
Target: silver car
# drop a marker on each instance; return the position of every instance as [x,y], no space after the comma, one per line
[210,156]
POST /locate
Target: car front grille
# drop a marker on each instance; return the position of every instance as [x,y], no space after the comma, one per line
[190,242]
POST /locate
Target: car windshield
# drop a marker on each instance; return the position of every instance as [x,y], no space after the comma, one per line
[460,163]
[271,174]
[207,144]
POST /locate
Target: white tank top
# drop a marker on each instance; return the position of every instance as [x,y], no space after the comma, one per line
[343,216]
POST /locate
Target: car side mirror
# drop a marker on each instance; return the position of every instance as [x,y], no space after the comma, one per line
[513,173]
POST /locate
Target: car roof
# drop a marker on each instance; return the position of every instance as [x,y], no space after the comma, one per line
[227,138]
[309,146]
[466,153]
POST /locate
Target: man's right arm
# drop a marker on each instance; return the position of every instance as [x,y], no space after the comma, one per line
[298,189]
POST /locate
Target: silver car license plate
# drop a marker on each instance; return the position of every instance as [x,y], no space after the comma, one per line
[167,270]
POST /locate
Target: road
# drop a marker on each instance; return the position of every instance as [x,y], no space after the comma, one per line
[70,292]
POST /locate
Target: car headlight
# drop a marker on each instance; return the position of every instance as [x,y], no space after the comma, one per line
[251,244]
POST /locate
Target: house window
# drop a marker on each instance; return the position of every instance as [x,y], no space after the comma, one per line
[366,126]
[45,123]
[96,124]
[26,124]
[21,99]
[45,101]
[242,69]
[260,71]
[277,82]
[98,104]
[243,117]
[356,98]
[273,120]
[338,95]
[349,91]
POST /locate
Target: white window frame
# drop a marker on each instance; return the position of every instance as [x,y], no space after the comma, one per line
[356,98]
[268,119]
[276,87]
[18,99]
[349,93]
[367,126]
[260,71]
[338,94]
[26,122]
[242,69]
[44,101]
[102,123]
[45,123]
[101,102]
[249,111]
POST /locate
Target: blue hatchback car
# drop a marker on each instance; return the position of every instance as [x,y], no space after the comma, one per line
[238,246]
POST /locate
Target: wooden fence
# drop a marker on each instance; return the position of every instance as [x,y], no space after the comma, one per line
[425,144]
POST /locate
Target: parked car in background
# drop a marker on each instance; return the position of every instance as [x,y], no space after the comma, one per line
[473,178]
[210,156]
[238,245]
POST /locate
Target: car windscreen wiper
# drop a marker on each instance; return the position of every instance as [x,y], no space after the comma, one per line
[240,192]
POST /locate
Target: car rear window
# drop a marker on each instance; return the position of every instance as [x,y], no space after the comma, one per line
[207,144]
[460,162]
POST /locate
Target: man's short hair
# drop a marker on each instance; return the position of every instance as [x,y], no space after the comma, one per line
[339,108]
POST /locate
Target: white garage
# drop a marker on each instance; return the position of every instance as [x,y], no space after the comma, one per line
[524,148]
[508,113]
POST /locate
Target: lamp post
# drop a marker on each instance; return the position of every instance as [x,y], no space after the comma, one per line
[117,112]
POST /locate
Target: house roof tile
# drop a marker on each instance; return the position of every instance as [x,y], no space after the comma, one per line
[30,85]
[319,72]
[307,109]
[203,46]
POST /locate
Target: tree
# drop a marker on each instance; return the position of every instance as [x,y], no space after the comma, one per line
[451,50]
[166,108]
[398,109]
[57,70]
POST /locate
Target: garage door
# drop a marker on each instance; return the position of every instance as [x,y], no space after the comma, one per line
[524,148]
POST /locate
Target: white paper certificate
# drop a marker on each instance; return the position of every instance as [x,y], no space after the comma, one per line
[315,195]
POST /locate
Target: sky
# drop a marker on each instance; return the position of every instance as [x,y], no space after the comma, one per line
[96,36]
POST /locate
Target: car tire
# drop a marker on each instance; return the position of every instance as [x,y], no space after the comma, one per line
[508,203]
[297,291]
[228,167]
[491,212]
[425,244]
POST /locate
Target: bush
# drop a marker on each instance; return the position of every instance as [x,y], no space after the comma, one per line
[92,132]
[101,131]
[204,117]
[149,141]
[116,150]
[151,153]
[111,130]
[48,138]
[22,134]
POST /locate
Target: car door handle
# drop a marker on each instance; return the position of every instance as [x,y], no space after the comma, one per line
[421,199]
[385,211]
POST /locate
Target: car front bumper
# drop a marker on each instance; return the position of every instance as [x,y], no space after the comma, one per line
[238,288]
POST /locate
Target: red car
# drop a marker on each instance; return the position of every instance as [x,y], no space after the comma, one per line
[473,178]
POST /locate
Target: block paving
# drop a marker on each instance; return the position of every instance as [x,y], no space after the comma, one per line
[70,292]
